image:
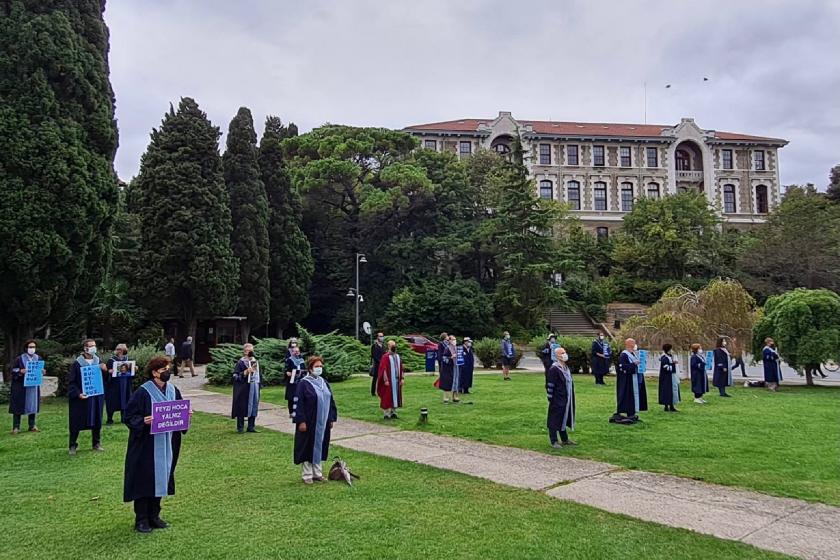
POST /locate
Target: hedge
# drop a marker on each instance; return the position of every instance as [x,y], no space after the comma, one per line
[489,353]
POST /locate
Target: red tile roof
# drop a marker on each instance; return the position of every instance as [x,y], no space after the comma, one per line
[579,129]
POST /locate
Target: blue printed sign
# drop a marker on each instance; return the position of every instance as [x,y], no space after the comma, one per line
[92,381]
[710,360]
[431,360]
[643,357]
[459,358]
[607,351]
[34,375]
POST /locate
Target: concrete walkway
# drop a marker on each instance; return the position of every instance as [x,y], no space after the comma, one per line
[784,525]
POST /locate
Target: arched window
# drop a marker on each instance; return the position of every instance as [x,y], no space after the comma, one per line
[546,189]
[573,190]
[682,160]
[626,197]
[653,191]
[729,199]
[501,148]
[600,198]
[761,204]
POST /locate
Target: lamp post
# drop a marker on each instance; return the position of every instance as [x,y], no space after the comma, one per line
[360,259]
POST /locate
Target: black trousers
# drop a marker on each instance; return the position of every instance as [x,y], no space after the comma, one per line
[291,405]
[16,421]
[372,385]
[552,435]
[74,436]
[599,379]
[146,509]
[240,423]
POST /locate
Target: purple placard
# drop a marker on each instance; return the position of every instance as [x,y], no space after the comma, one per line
[170,416]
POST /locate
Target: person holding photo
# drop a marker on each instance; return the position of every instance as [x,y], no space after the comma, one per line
[118,388]
[246,390]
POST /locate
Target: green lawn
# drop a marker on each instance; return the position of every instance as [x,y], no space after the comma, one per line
[787,443]
[240,497]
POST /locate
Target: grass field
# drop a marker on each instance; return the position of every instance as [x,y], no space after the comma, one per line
[785,443]
[240,497]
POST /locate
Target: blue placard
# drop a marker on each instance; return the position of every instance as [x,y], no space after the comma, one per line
[607,351]
[710,360]
[459,358]
[34,375]
[643,361]
[431,360]
[92,384]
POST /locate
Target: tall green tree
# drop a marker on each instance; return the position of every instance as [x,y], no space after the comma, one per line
[249,211]
[185,220]
[58,138]
[290,261]
[833,190]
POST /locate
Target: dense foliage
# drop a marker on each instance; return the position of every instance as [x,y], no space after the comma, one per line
[488,351]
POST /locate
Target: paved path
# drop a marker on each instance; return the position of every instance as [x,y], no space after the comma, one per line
[790,526]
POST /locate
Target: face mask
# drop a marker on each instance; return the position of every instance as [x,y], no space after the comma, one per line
[92,351]
[723,345]
[380,339]
[600,337]
[317,371]
[507,337]
[564,357]
[635,347]
[30,351]
[392,349]
[165,375]
[250,354]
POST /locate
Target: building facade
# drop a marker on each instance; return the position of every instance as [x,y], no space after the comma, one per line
[600,170]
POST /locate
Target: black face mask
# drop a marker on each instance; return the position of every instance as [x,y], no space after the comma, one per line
[164,376]
[251,354]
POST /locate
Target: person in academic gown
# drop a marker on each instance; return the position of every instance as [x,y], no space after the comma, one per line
[447,381]
[377,350]
[669,380]
[601,353]
[117,389]
[722,374]
[150,459]
[24,401]
[560,390]
[314,414]
[444,340]
[772,364]
[246,390]
[627,385]
[468,367]
[295,371]
[699,380]
[85,412]
[389,381]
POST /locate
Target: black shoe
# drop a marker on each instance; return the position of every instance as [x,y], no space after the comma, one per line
[142,527]
[252,430]
[394,416]
[158,523]
[726,395]
[240,431]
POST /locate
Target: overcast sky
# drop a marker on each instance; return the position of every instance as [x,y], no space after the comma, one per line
[773,67]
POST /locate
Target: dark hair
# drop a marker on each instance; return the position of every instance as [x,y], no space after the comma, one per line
[666,347]
[156,363]
[720,342]
[85,342]
[30,341]
[312,360]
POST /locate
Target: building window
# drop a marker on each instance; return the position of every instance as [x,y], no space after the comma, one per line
[624,155]
[758,158]
[600,197]
[465,147]
[602,233]
[729,199]
[545,154]
[726,159]
[652,157]
[502,149]
[546,190]
[626,197]
[430,144]
[682,161]
[598,156]
[761,205]
[572,155]
[653,191]
[573,188]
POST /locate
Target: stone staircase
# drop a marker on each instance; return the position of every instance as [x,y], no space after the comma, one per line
[571,323]
[620,312]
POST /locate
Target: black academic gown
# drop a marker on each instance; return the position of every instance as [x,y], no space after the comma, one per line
[376,353]
[117,389]
[667,371]
[447,368]
[85,414]
[558,399]
[17,392]
[699,380]
[241,391]
[139,478]
[306,410]
[720,376]
[600,366]
[440,349]
[466,370]
[625,377]
[291,388]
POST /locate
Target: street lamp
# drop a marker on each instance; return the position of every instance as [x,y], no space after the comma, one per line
[360,259]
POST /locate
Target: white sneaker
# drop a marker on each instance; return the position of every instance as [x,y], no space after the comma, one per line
[699,401]
[704,401]
[746,383]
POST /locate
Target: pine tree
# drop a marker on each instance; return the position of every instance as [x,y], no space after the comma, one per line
[249,211]
[291,264]
[58,138]
[184,209]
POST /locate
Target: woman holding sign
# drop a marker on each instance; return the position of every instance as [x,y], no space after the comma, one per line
[313,413]
[150,458]
[25,397]
[84,396]
[118,377]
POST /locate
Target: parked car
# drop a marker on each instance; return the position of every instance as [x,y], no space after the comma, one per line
[420,343]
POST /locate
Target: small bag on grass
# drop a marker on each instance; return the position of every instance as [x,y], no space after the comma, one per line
[340,471]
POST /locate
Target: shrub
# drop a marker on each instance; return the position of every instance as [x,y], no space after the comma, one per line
[578,348]
[58,366]
[489,353]
[5,390]
[142,354]
[271,353]
[151,335]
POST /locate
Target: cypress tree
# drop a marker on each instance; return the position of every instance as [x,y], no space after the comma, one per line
[185,223]
[58,138]
[291,264]
[249,211]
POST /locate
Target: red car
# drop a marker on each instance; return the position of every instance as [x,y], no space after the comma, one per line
[420,343]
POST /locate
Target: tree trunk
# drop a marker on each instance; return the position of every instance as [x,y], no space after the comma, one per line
[278,330]
[809,376]
[246,332]
[16,335]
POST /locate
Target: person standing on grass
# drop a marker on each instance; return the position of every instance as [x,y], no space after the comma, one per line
[469,366]
[447,381]
[772,364]
[117,389]
[547,352]
[738,355]
[186,356]
[377,350]
[627,385]
[246,390]
[295,371]
[560,390]
[389,381]
[508,355]
[150,459]
[24,400]
[601,354]
[699,380]
[722,375]
[85,411]
[669,379]
[314,413]
[444,340]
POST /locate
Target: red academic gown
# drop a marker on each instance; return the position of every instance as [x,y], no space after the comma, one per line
[388,392]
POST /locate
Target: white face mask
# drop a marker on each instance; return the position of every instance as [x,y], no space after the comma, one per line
[564,357]
[92,351]
[600,337]
[317,371]
[30,351]
[635,347]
